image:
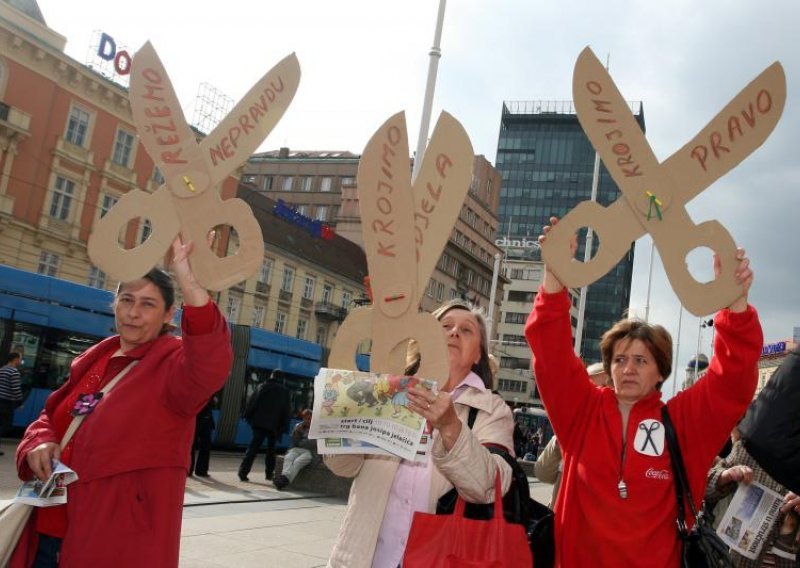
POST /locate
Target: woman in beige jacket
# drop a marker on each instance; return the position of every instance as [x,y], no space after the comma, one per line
[387,490]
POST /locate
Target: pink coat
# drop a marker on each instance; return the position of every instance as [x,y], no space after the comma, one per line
[132,453]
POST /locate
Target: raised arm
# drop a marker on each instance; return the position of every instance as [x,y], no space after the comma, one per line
[207,354]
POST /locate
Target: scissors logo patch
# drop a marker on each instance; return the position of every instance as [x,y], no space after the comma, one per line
[649,438]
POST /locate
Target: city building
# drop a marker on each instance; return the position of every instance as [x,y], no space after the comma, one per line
[308,282]
[772,355]
[516,383]
[547,166]
[68,152]
[322,185]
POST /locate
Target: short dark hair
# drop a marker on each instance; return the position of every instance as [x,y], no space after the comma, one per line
[160,280]
[655,337]
[13,356]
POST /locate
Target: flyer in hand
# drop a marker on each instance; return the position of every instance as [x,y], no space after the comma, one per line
[367,407]
[50,492]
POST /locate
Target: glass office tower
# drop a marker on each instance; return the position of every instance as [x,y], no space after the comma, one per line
[547,165]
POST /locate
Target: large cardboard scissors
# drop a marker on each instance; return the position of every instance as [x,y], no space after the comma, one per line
[188,202]
[654,195]
[405,230]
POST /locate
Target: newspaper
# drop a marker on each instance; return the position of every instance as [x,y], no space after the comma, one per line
[367,407]
[749,518]
[353,446]
[50,492]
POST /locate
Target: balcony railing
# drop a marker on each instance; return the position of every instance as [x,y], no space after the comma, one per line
[330,311]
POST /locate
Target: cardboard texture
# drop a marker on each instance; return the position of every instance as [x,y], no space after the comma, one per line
[655,194]
[189,203]
[405,230]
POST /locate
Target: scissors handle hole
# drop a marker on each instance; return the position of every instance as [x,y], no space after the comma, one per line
[700,263]
[226,241]
[582,234]
[134,233]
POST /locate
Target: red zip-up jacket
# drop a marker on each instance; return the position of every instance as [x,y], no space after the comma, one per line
[595,526]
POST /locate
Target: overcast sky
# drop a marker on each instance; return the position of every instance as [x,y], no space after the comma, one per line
[364,60]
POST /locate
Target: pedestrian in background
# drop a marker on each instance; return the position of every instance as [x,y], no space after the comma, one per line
[302,453]
[203,432]
[10,392]
[267,412]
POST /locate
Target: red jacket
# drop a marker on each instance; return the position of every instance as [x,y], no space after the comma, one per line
[131,454]
[594,525]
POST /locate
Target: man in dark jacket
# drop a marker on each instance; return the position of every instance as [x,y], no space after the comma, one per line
[267,412]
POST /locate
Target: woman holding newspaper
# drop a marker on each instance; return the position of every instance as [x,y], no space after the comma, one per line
[387,490]
[617,503]
[131,452]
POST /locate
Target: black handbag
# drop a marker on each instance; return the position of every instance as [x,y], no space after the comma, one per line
[702,547]
[518,507]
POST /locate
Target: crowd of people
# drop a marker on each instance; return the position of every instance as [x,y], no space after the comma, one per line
[614,493]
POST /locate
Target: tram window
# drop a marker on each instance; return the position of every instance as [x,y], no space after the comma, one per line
[47,354]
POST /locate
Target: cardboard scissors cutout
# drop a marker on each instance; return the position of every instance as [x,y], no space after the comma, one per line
[405,230]
[654,195]
[188,202]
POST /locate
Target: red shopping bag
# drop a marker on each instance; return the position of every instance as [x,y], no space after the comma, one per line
[453,541]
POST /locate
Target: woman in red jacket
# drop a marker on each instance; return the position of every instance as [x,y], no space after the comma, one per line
[617,506]
[131,453]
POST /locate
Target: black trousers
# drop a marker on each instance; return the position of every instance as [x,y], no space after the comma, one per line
[259,435]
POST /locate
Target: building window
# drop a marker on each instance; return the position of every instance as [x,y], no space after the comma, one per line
[322,335]
[108,202]
[287,184]
[453,294]
[308,287]
[233,306]
[48,263]
[249,179]
[123,148]
[431,288]
[266,270]
[347,297]
[258,316]
[325,184]
[147,230]
[63,193]
[280,322]
[516,317]
[348,181]
[327,294]
[508,385]
[521,296]
[97,278]
[266,183]
[288,279]
[158,177]
[301,329]
[305,183]
[302,209]
[77,126]
[322,213]
[439,291]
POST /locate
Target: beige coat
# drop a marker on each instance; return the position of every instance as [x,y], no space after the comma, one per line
[548,467]
[468,466]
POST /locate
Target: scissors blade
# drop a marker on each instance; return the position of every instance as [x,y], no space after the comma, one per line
[611,127]
[439,191]
[387,213]
[736,132]
[161,125]
[246,126]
